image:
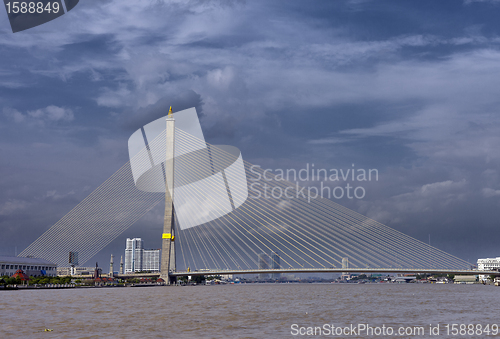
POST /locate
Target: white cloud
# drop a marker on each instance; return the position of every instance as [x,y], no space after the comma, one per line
[433,199]
[114,98]
[438,188]
[52,113]
[56,196]
[429,196]
[41,115]
[11,206]
[10,79]
[488,192]
[328,141]
[221,78]
[14,114]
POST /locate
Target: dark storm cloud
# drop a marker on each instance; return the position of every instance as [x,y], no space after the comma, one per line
[132,120]
[405,87]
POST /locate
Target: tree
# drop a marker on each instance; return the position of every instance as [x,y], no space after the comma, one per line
[359,277]
[198,279]
[13,281]
[65,280]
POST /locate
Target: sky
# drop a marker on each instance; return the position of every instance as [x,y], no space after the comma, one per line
[409,88]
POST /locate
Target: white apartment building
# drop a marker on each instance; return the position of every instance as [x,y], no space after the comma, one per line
[133,255]
[138,259]
[151,260]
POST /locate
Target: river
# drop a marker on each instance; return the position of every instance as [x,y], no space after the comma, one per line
[249,311]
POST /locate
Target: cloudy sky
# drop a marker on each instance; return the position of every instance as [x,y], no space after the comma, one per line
[410,88]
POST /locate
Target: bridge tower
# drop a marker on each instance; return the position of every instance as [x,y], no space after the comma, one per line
[168,236]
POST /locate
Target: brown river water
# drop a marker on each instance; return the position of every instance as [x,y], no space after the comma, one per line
[252,311]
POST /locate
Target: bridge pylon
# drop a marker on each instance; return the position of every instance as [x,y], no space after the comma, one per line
[168,236]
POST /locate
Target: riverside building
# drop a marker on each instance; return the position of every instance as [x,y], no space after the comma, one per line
[151,260]
[30,266]
[65,271]
[488,264]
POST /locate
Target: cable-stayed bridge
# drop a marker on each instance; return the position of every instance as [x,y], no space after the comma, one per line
[215,272]
[229,217]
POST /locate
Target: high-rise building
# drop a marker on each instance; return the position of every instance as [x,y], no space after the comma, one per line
[133,255]
[263,265]
[345,265]
[151,260]
[138,259]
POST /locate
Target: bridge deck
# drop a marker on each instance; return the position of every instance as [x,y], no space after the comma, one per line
[335,270]
[304,270]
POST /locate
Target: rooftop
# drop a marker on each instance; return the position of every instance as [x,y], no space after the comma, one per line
[22,260]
